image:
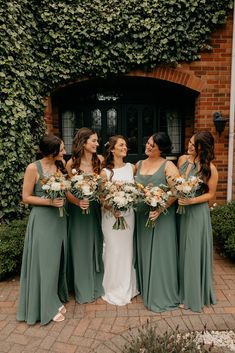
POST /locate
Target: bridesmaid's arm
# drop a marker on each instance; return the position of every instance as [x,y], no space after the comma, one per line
[209,195]
[30,178]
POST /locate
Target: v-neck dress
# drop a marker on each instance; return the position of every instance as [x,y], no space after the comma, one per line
[43,286]
[157,251]
[196,253]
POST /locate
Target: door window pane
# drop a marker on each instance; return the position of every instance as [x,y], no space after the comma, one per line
[96,120]
[170,122]
[147,124]
[68,119]
[111,122]
[132,129]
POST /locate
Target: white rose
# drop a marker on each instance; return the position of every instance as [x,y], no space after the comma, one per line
[55,186]
[45,187]
[86,190]
[153,203]
[186,189]
[74,171]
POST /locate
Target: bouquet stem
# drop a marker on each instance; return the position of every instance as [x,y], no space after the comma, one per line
[180,209]
[61,211]
[150,223]
[86,211]
[120,223]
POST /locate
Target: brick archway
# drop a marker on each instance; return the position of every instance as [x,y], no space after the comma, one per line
[177,76]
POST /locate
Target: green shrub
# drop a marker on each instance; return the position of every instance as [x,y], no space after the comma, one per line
[223,224]
[148,341]
[11,247]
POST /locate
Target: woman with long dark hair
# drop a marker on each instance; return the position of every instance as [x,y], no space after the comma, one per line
[157,247]
[196,252]
[43,288]
[119,274]
[85,266]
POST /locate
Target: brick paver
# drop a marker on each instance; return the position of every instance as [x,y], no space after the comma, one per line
[104,328]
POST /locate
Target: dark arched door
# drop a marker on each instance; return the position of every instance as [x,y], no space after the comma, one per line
[134,108]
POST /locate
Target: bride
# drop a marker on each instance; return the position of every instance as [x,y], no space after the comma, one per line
[119,280]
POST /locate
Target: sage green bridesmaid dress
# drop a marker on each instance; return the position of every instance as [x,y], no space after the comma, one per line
[43,286]
[85,265]
[196,253]
[156,248]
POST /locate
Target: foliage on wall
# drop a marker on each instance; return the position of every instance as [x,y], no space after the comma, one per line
[47,43]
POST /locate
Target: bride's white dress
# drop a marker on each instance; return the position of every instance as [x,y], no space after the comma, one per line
[119,281]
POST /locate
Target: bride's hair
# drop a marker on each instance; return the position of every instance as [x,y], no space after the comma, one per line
[108,161]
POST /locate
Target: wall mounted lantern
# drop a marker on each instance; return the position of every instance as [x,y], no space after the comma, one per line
[219,122]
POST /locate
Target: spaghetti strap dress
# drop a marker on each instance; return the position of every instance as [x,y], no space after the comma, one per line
[43,286]
[85,264]
[196,253]
[156,257]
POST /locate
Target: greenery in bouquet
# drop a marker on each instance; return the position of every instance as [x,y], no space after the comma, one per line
[85,186]
[156,198]
[120,196]
[55,186]
[185,187]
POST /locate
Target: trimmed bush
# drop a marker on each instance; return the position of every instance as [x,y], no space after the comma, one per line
[11,247]
[148,341]
[223,224]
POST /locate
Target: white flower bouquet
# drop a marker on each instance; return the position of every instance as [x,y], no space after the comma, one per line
[120,196]
[156,198]
[55,186]
[85,187]
[185,187]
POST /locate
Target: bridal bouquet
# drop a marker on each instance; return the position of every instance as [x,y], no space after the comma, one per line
[156,198]
[120,196]
[85,186]
[185,187]
[55,186]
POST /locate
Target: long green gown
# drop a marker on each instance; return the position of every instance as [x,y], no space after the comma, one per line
[157,252]
[85,265]
[196,253]
[43,286]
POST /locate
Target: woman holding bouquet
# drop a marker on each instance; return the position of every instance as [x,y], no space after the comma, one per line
[119,274]
[196,252]
[42,281]
[157,246]
[85,266]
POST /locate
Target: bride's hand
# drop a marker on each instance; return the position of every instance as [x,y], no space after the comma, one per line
[117,214]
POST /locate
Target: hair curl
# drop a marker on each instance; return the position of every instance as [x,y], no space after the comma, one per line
[79,140]
[204,148]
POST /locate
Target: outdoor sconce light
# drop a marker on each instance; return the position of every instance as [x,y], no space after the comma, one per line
[219,122]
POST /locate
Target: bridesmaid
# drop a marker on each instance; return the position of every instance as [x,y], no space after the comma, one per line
[85,268]
[42,281]
[157,247]
[196,248]
[119,274]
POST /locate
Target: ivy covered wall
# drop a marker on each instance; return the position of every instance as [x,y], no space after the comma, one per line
[44,44]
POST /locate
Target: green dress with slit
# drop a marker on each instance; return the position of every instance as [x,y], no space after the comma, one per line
[156,251]
[196,253]
[43,287]
[85,265]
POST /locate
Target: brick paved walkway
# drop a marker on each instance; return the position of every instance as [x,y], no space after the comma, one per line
[104,328]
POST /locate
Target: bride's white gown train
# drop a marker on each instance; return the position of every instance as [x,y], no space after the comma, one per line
[119,281]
